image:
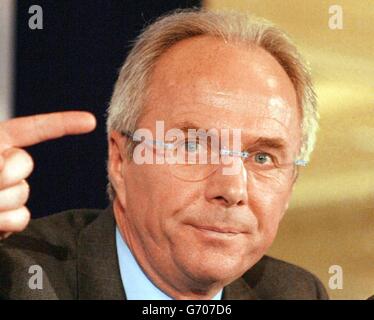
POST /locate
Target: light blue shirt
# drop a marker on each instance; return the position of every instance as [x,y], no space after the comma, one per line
[135,282]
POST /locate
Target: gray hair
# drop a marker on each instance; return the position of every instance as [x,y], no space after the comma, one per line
[130,90]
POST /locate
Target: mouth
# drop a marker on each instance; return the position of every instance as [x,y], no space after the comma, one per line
[217,232]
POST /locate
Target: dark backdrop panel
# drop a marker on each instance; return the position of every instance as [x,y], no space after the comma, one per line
[72,64]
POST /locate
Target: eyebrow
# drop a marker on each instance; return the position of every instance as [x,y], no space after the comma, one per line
[185,125]
[275,143]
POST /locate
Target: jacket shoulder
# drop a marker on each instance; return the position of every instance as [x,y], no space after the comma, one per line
[275,279]
[50,244]
[60,228]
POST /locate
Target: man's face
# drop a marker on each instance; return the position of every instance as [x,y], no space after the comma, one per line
[207,83]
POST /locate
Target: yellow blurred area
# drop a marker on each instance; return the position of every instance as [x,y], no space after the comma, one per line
[331,217]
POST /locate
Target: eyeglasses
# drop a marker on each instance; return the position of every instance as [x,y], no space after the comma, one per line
[196,158]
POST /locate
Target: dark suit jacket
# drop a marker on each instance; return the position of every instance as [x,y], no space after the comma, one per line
[77,251]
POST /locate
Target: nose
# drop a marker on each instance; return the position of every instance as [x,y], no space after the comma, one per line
[228,186]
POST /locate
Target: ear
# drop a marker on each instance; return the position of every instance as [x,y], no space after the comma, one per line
[117,162]
[286,206]
[290,192]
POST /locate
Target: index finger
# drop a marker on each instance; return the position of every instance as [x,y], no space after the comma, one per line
[27,131]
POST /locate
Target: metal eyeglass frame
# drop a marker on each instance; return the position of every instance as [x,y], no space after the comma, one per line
[226,152]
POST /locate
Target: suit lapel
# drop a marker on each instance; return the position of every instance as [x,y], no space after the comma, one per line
[239,290]
[97,262]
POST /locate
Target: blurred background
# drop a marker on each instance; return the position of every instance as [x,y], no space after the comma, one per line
[73,62]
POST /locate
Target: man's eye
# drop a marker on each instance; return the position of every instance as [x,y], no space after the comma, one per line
[263,158]
[191,146]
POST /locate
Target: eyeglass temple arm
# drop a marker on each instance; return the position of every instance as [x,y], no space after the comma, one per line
[302,163]
[126,133]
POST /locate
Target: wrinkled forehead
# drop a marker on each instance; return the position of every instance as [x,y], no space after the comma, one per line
[243,109]
[220,85]
[255,116]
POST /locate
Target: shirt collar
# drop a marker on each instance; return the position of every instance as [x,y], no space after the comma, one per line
[135,282]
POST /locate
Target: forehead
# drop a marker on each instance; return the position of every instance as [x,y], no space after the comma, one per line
[221,84]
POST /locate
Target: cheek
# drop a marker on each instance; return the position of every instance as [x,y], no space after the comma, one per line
[154,197]
[142,194]
[268,209]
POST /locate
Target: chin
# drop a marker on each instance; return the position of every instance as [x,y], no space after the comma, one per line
[207,267]
[208,258]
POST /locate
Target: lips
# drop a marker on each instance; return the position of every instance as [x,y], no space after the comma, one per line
[222,232]
[225,230]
